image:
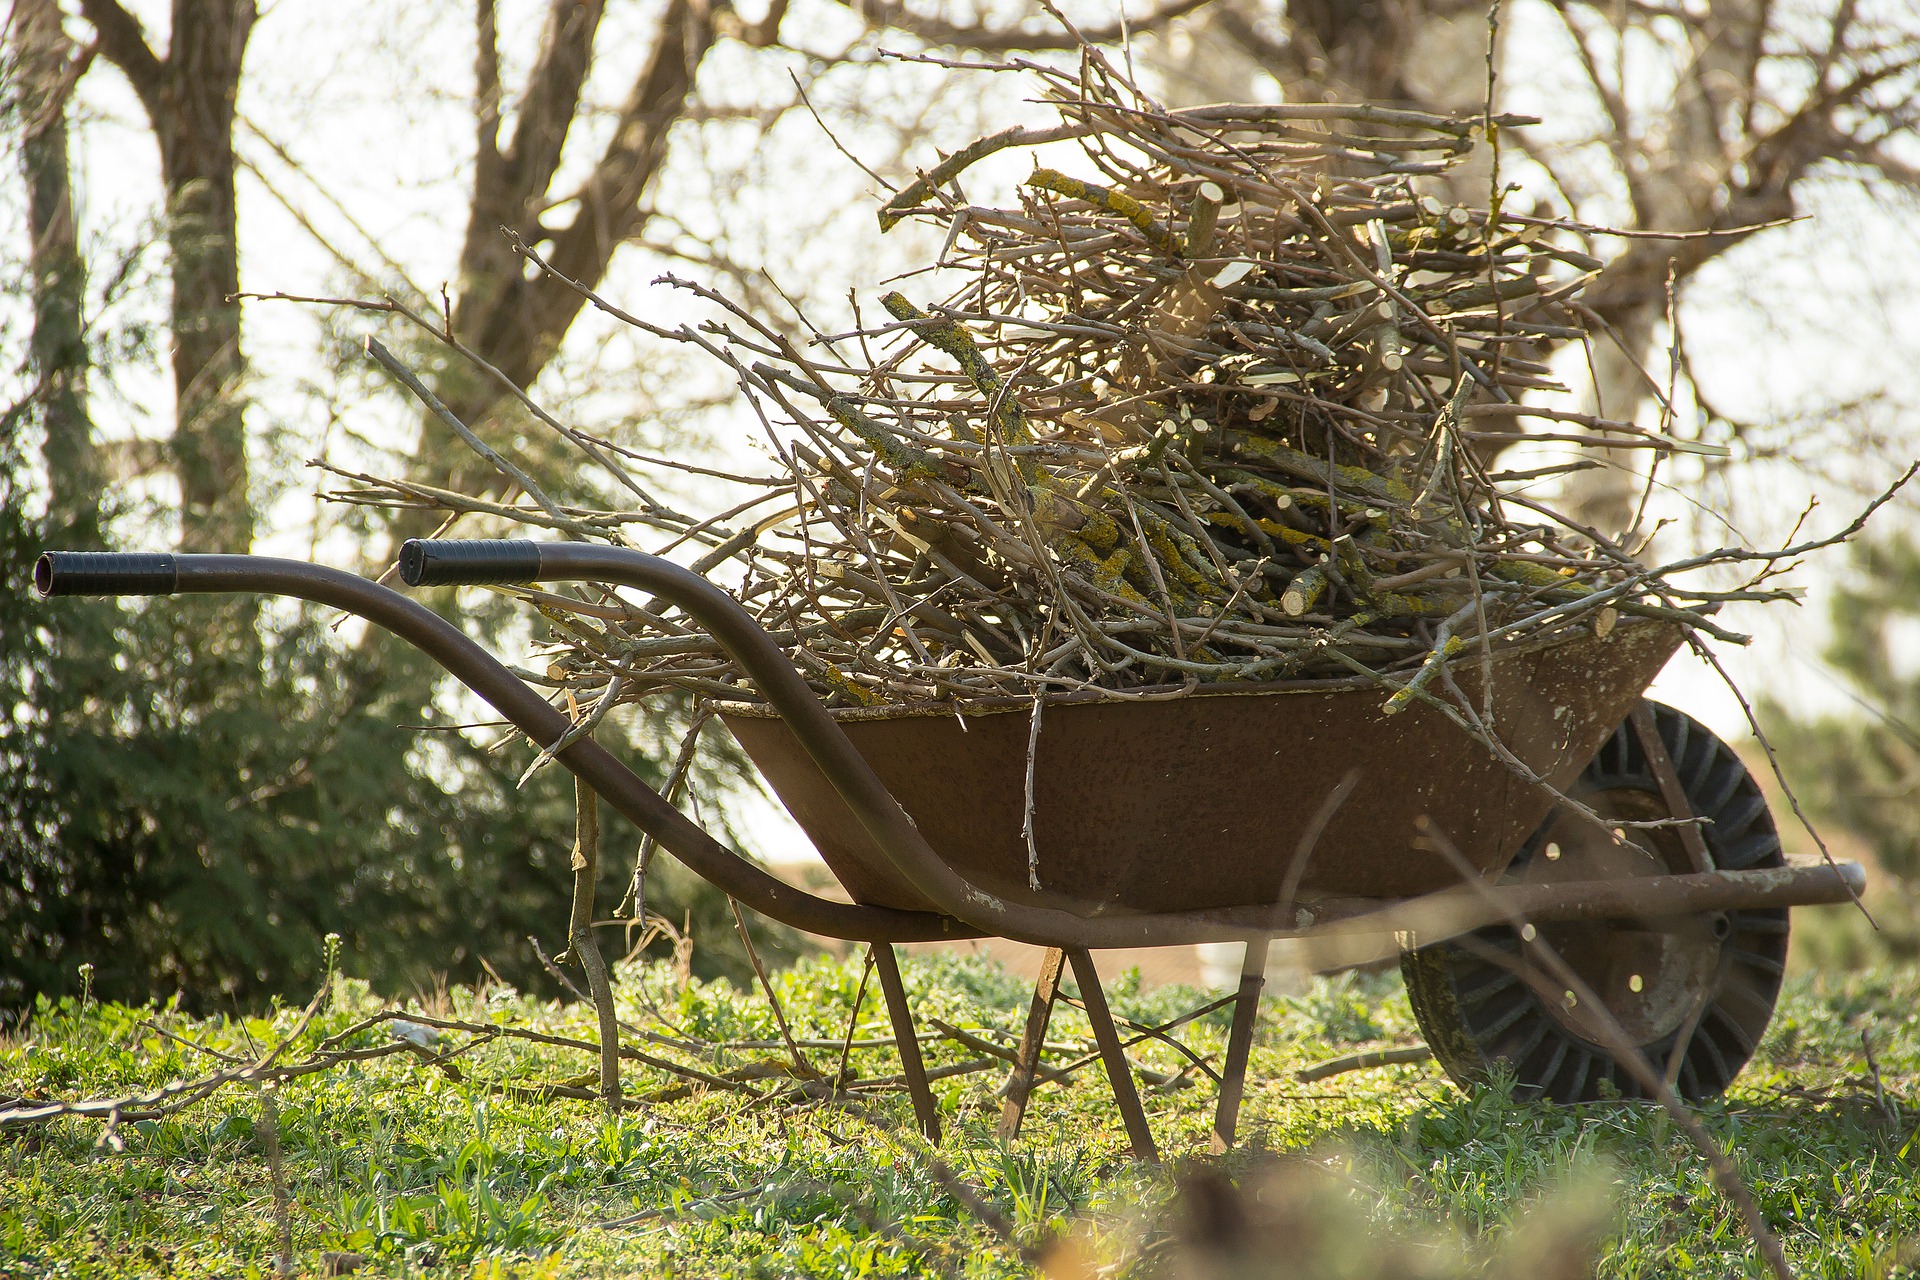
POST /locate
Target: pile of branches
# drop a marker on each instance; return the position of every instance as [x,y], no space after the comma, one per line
[1217,401]
[1214,406]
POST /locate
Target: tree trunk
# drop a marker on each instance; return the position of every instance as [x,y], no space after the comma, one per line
[46,63]
[189,100]
[1607,498]
[195,128]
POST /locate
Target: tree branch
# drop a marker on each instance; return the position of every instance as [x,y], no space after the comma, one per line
[1272,54]
[124,42]
[551,100]
[608,203]
[984,39]
[486,94]
[766,32]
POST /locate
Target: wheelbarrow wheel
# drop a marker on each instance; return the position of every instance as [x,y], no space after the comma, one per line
[1695,992]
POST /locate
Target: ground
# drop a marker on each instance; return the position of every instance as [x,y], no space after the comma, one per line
[390,1164]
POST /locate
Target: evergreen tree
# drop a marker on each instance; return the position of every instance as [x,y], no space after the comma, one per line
[1861,770]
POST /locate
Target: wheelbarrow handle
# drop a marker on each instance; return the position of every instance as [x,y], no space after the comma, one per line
[92,573]
[105,573]
[473,561]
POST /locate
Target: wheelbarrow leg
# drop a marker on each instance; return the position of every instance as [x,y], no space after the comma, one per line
[1119,1070]
[912,1065]
[1026,1063]
[1233,1079]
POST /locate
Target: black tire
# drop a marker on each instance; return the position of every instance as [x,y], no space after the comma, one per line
[1715,976]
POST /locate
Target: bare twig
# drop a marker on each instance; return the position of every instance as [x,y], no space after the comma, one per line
[1364,1061]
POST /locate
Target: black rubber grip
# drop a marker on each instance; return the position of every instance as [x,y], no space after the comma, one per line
[428,563]
[105,573]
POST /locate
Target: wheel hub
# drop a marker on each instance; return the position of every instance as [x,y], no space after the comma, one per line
[1651,973]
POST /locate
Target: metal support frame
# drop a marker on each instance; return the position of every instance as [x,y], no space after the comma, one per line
[961,909]
[1119,1071]
[1233,1075]
[912,1065]
[1026,1060]
[1672,791]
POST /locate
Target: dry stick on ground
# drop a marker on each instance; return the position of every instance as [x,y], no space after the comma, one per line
[853,1020]
[490,1029]
[1053,1075]
[1046,1075]
[663,1211]
[1617,1043]
[580,939]
[174,1098]
[177,1097]
[276,1169]
[1160,1033]
[980,1044]
[169,1099]
[1365,1061]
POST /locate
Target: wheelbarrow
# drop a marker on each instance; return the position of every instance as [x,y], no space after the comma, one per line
[1620,831]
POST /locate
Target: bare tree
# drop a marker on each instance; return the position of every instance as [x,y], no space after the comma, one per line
[516,322]
[188,97]
[1715,116]
[512,321]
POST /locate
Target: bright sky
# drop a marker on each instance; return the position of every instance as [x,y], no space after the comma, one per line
[373,114]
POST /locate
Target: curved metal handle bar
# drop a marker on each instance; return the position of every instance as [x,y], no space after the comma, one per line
[105,573]
[425,562]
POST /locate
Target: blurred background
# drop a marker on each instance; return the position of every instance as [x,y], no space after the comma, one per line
[192,794]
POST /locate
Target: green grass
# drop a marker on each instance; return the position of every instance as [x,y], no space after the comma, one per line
[1384,1172]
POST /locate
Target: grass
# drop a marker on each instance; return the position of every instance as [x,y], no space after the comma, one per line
[1385,1172]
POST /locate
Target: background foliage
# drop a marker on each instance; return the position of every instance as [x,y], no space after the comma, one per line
[1858,770]
[188,818]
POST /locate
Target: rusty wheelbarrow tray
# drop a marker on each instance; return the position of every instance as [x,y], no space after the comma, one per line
[1229,815]
[1197,803]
